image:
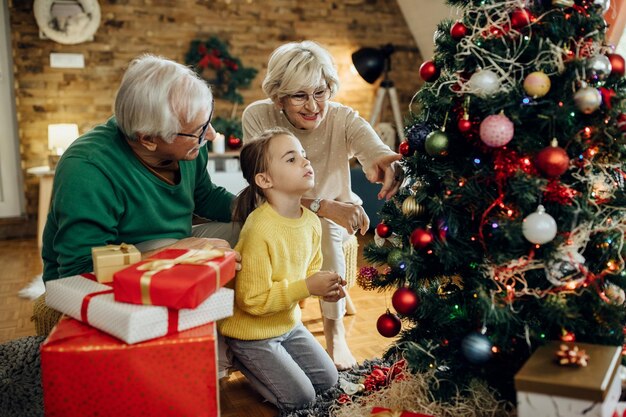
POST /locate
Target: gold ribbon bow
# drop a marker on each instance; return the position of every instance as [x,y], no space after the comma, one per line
[122,247]
[192,257]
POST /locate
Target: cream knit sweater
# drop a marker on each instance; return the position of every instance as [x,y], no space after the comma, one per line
[277,254]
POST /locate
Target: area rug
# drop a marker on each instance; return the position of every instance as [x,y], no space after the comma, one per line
[325,402]
[21,394]
[33,290]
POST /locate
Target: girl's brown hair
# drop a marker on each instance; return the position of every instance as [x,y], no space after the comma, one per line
[254,159]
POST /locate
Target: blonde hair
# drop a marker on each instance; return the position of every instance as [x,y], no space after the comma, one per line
[254,159]
[156,95]
[296,66]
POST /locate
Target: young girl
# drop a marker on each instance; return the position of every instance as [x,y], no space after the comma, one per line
[281,257]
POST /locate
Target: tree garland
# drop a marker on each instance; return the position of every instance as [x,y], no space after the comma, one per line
[212,61]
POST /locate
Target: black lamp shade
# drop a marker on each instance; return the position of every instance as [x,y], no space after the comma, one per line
[369,63]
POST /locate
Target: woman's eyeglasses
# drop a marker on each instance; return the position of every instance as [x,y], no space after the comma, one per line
[203,128]
[299,99]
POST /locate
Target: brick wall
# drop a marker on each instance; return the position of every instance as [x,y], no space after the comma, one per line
[252,28]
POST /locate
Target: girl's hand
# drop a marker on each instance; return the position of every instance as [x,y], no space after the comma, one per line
[334,298]
[347,215]
[325,284]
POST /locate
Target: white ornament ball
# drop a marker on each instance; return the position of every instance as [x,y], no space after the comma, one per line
[496,130]
[484,83]
[588,99]
[539,227]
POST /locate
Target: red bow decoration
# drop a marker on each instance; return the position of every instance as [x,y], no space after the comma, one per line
[382,376]
[572,355]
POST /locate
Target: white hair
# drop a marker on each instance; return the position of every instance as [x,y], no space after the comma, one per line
[296,66]
[157,95]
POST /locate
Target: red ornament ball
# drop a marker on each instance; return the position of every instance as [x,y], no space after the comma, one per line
[383,230]
[617,64]
[421,238]
[520,18]
[429,72]
[464,125]
[234,142]
[552,161]
[405,149]
[388,324]
[458,31]
[405,301]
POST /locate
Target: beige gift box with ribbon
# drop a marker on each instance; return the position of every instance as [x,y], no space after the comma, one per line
[109,259]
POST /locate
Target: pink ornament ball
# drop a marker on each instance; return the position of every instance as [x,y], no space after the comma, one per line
[496,130]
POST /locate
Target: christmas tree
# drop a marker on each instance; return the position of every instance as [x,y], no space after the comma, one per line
[508,230]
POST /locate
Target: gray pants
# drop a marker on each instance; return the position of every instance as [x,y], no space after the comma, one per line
[287,370]
[226,231]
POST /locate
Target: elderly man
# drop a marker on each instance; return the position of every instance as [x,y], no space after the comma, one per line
[139,177]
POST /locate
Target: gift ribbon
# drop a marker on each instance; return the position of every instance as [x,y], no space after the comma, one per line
[385,412]
[172,314]
[123,247]
[190,258]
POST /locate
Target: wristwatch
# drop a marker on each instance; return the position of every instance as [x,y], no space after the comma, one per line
[315,205]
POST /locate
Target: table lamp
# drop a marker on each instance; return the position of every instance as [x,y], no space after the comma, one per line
[60,136]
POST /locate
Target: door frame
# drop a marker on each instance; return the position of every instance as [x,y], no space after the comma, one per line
[12,200]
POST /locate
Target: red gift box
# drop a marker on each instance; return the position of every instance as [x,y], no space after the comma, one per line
[86,372]
[387,412]
[175,278]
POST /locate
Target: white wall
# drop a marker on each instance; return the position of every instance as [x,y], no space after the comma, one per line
[11,195]
[422,18]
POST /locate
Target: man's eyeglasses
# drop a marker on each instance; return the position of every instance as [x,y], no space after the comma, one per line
[203,128]
[299,99]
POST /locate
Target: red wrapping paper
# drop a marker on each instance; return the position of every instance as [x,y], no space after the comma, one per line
[86,372]
[182,286]
[388,412]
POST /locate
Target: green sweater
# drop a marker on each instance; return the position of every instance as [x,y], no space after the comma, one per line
[277,254]
[103,194]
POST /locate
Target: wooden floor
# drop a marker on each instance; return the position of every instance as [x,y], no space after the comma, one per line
[20,262]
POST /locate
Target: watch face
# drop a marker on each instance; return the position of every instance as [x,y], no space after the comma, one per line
[315,206]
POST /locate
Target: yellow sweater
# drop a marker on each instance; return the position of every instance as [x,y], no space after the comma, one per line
[277,254]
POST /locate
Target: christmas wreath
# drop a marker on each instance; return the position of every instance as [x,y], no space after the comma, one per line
[212,61]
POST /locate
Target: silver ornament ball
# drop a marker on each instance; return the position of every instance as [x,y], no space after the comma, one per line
[598,67]
[604,4]
[476,348]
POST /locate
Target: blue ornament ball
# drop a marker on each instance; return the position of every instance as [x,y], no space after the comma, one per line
[416,136]
[477,348]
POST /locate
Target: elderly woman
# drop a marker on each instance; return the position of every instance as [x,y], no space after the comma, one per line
[301,79]
[139,177]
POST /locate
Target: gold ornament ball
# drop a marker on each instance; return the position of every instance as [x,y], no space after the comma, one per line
[537,84]
[410,207]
